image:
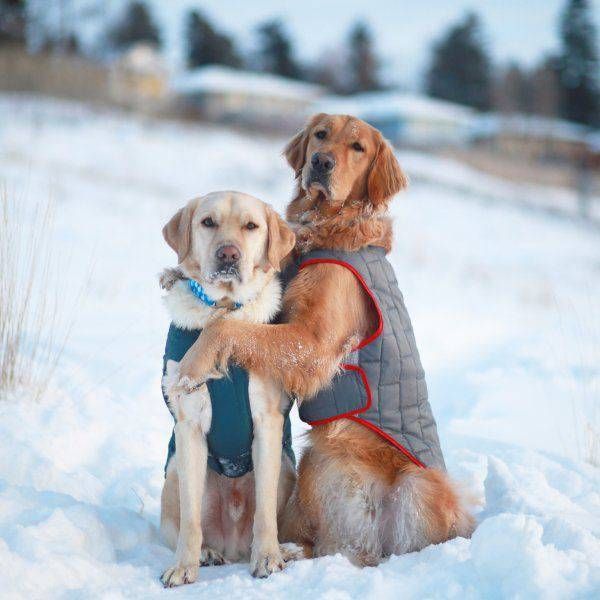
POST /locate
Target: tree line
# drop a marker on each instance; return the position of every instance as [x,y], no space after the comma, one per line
[564,84]
[460,69]
[205,44]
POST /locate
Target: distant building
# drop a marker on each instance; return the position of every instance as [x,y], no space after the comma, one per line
[139,79]
[535,138]
[226,95]
[593,140]
[407,119]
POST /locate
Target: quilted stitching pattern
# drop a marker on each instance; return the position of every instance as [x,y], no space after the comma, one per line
[400,405]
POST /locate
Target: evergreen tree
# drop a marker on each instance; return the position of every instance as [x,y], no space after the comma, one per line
[460,67]
[512,91]
[545,91]
[135,26]
[579,66]
[276,52]
[363,64]
[207,46]
[12,20]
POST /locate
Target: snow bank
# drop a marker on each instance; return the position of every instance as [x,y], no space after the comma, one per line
[504,305]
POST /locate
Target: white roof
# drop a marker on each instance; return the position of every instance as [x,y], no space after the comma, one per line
[216,78]
[396,104]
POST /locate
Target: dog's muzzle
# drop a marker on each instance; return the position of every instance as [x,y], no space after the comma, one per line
[319,175]
[227,263]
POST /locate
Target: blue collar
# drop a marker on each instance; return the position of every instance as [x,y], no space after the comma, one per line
[199,292]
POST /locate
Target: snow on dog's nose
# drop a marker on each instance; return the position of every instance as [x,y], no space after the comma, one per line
[228,259]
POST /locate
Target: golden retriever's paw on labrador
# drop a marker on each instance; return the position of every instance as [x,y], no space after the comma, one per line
[177,386]
[176,576]
[184,386]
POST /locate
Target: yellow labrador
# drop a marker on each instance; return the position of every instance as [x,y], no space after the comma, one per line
[229,247]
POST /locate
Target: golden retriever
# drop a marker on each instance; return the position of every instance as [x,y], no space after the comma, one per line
[355,492]
[233,244]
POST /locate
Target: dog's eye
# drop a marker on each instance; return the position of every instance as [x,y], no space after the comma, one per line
[251,226]
[208,222]
[321,134]
[356,146]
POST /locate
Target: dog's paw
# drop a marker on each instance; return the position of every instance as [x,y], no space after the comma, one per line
[211,558]
[179,576]
[178,389]
[262,564]
[169,277]
[291,551]
[184,386]
[174,385]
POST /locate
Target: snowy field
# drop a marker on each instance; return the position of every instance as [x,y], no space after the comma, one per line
[505,305]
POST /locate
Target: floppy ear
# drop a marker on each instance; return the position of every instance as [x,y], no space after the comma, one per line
[177,232]
[295,151]
[386,177]
[281,239]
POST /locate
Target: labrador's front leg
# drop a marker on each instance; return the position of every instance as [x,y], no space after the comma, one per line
[265,402]
[193,414]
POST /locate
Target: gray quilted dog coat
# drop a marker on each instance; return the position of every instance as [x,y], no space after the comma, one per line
[382,383]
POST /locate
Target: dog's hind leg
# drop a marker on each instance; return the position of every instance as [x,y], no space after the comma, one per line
[423,507]
[336,509]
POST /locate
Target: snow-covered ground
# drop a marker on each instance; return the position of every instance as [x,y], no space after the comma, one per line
[504,302]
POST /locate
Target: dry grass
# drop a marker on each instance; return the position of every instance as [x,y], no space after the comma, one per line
[33,329]
[582,339]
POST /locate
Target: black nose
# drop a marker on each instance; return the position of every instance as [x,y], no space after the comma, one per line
[228,254]
[322,162]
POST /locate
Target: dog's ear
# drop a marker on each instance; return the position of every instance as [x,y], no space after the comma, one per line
[295,151]
[385,177]
[177,232]
[281,239]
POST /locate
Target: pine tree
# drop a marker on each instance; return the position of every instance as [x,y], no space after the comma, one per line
[135,26]
[460,67]
[276,52]
[207,46]
[363,64]
[12,21]
[579,66]
[545,91]
[512,90]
